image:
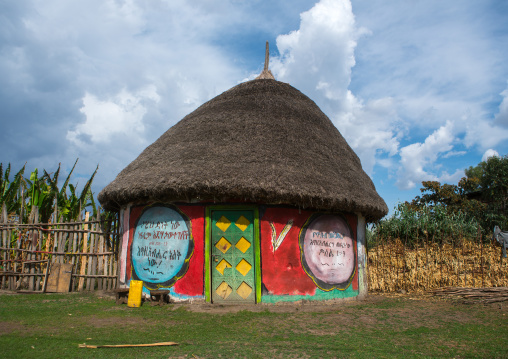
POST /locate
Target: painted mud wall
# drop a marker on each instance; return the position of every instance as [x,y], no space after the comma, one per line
[304,255]
[166,251]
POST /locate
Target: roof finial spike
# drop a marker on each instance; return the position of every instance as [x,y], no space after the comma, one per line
[266,73]
[267,56]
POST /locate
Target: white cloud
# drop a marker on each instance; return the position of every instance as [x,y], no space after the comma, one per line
[372,130]
[484,134]
[417,159]
[454,154]
[489,153]
[122,114]
[502,116]
[318,59]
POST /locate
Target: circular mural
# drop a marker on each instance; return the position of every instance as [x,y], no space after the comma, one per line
[327,251]
[161,246]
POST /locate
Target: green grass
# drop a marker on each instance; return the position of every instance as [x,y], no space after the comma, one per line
[53,325]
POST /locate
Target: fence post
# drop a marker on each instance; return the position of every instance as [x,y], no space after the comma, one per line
[33,218]
[4,242]
[100,259]
[85,250]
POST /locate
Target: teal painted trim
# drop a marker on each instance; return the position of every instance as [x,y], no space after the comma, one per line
[208,278]
[257,253]
[182,296]
[319,295]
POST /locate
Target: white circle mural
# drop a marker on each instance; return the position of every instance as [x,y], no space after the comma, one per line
[161,246]
[328,252]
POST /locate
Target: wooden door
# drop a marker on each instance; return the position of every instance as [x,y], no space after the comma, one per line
[232,260]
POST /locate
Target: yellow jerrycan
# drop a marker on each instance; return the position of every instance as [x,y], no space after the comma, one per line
[135,292]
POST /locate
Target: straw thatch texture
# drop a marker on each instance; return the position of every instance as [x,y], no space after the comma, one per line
[262,141]
[393,266]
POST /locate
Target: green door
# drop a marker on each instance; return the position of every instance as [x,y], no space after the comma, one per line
[232,256]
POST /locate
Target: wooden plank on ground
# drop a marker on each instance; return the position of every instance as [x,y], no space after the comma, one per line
[127,345]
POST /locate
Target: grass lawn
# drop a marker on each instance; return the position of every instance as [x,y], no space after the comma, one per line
[53,325]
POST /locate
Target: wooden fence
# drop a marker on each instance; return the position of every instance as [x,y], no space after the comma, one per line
[397,265]
[70,256]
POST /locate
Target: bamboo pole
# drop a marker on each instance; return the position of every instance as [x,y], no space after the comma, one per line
[95,242]
[56,230]
[34,218]
[116,269]
[83,259]
[100,283]
[4,219]
[76,270]
[39,256]
[58,253]
[90,261]
[74,244]
[60,222]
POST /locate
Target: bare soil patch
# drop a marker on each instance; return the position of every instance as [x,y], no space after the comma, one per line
[9,327]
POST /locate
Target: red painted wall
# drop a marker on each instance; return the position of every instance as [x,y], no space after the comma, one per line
[192,283]
[281,270]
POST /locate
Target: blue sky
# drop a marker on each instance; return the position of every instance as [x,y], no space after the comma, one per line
[419,89]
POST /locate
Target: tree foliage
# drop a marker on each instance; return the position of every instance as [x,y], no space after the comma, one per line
[480,195]
[413,225]
[491,183]
[451,211]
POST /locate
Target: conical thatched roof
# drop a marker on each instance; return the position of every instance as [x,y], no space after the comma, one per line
[262,141]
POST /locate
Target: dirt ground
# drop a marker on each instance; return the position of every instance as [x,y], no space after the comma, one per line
[409,308]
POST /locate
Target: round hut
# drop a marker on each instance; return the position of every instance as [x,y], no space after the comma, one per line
[253,197]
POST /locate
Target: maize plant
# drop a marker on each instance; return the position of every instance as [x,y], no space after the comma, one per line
[22,194]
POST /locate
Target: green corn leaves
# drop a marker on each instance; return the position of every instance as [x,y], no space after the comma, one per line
[20,195]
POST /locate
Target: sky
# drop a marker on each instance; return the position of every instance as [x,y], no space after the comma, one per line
[419,89]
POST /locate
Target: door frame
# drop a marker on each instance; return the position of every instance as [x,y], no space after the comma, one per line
[208,248]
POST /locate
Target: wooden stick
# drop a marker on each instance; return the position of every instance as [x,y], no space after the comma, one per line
[58,253]
[84,345]
[83,259]
[4,241]
[51,224]
[90,261]
[93,276]
[100,263]
[46,276]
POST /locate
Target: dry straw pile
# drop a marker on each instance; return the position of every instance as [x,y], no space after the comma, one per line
[392,266]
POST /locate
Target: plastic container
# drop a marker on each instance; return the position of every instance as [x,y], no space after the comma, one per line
[135,292]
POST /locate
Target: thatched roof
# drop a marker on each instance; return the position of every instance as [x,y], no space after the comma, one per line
[262,141]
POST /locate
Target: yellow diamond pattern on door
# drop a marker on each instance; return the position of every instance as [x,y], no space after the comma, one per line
[223,265]
[232,256]
[224,290]
[223,223]
[243,245]
[244,290]
[243,267]
[242,223]
[223,245]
